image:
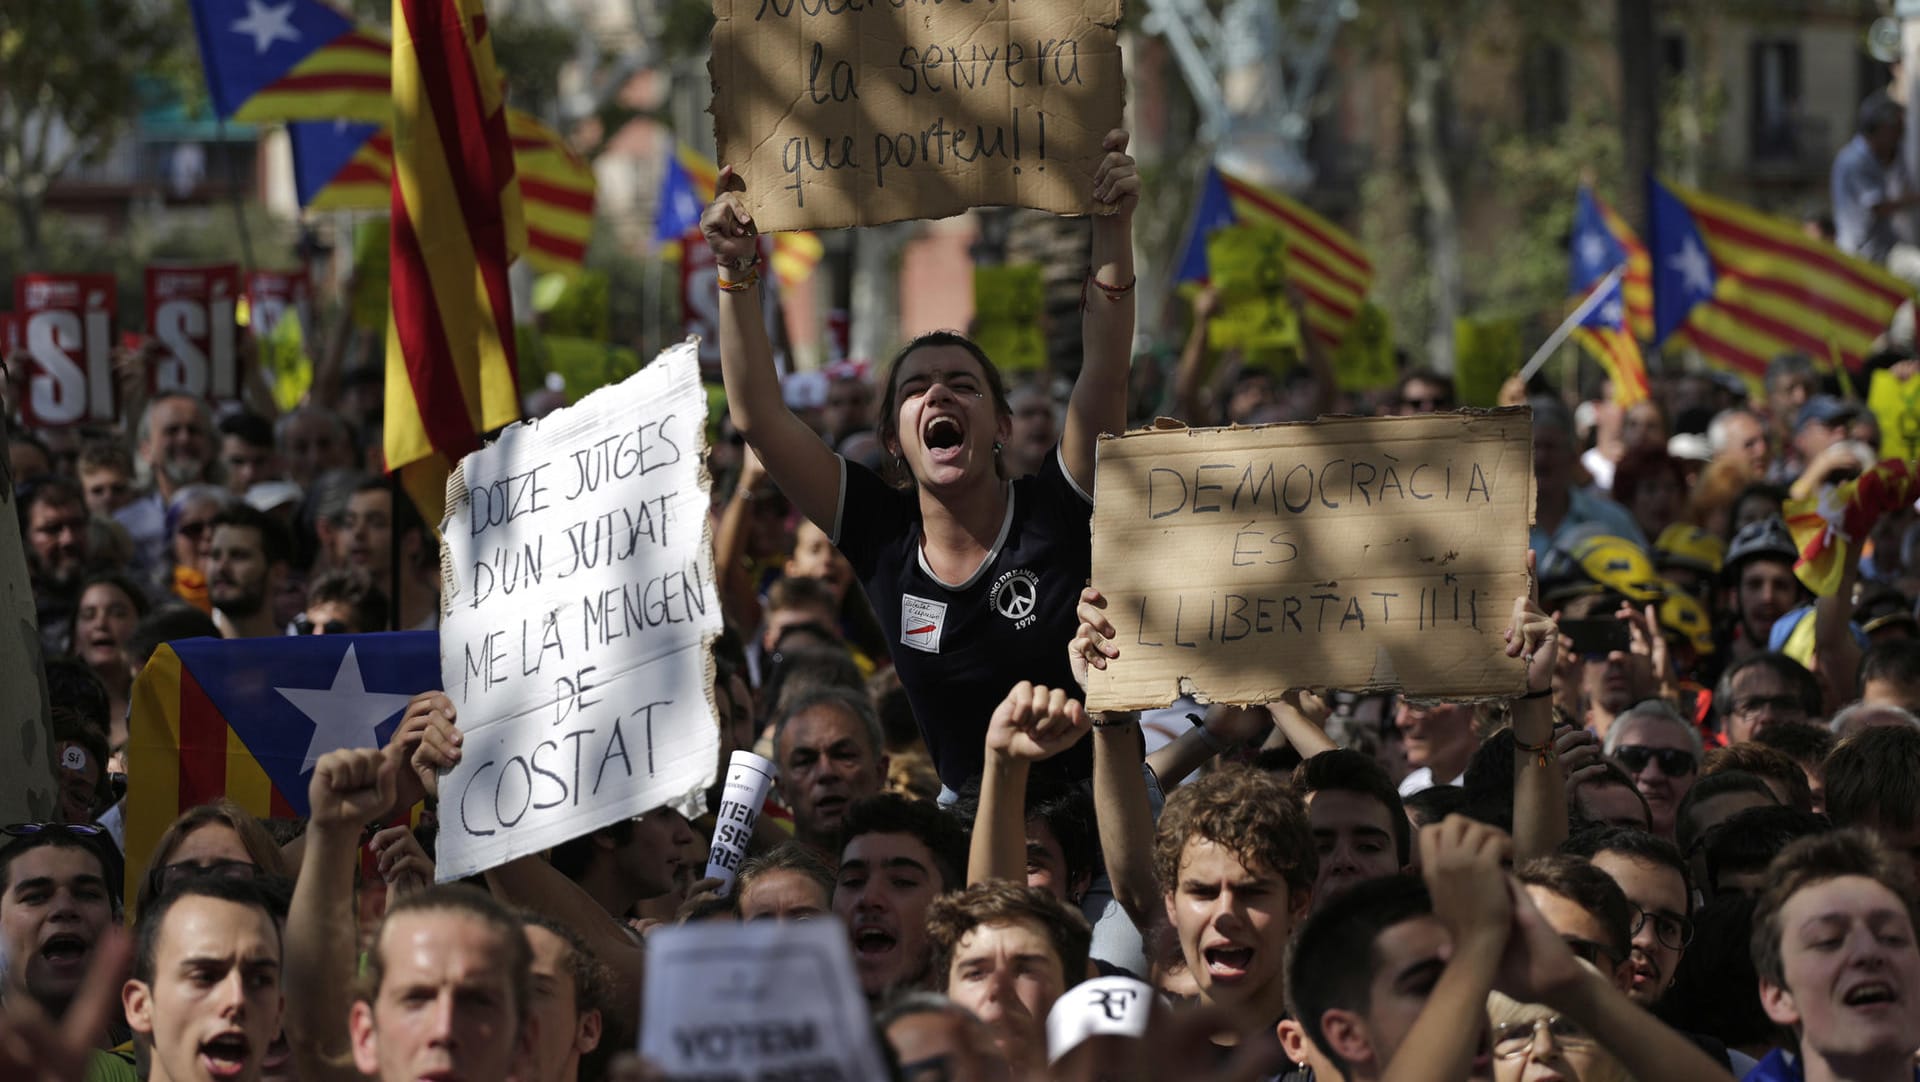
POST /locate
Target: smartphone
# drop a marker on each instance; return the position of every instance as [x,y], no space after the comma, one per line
[1597,637]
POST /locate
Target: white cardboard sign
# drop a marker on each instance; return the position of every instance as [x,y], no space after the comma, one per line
[761,1000]
[578,608]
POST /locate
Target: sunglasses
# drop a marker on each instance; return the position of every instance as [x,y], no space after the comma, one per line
[1425,403]
[166,877]
[1674,762]
[304,626]
[33,830]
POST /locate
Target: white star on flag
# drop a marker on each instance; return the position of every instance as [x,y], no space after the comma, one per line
[344,715]
[267,24]
[1692,264]
[1610,313]
[1593,249]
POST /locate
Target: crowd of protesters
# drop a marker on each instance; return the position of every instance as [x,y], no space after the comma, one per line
[1687,851]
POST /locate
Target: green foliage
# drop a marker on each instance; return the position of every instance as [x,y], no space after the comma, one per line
[531,50]
[70,65]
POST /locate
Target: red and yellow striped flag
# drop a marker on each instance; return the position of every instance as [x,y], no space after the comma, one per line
[556,190]
[1325,261]
[1762,287]
[1637,285]
[451,371]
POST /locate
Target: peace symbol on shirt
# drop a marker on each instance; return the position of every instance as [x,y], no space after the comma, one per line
[1016,595]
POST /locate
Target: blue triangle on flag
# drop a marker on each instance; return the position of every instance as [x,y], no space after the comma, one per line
[678,211]
[247,45]
[1684,274]
[1214,210]
[321,148]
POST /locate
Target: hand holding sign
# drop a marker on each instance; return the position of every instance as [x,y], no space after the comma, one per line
[727,225]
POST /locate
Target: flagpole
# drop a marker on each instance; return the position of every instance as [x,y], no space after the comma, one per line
[1568,325]
[233,193]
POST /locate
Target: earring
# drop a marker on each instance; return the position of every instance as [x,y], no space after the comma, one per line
[996,446]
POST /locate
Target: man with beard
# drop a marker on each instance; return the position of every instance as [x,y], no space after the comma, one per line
[175,443]
[205,989]
[1760,583]
[53,523]
[828,749]
[1653,876]
[898,856]
[245,568]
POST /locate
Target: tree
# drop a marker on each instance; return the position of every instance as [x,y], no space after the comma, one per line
[66,89]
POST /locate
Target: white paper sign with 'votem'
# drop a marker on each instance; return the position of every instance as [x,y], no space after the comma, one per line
[761,1000]
[578,605]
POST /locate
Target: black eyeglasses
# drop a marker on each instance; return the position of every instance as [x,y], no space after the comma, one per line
[1674,762]
[31,830]
[167,876]
[1674,933]
[193,531]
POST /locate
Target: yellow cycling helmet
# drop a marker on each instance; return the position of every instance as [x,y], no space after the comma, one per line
[1686,617]
[1691,547]
[1620,566]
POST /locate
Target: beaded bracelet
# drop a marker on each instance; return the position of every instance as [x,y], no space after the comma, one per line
[741,285]
[1543,751]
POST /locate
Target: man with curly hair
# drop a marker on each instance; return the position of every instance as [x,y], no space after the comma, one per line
[1235,863]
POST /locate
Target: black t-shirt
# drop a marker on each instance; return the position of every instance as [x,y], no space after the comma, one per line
[960,648]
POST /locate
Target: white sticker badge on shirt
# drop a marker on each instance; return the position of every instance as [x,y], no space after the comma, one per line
[921,622]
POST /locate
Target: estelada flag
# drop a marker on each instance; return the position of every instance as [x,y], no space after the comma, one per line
[290,60]
[343,166]
[1326,262]
[246,719]
[1743,287]
[686,187]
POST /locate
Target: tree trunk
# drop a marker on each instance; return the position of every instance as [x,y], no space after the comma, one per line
[1426,77]
[26,213]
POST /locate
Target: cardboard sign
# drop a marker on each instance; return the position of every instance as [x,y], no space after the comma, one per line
[273,294]
[578,604]
[26,730]
[1007,303]
[846,112]
[190,312]
[1353,553]
[1248,265]
[764,1000]
[1365,360]
[65,322]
